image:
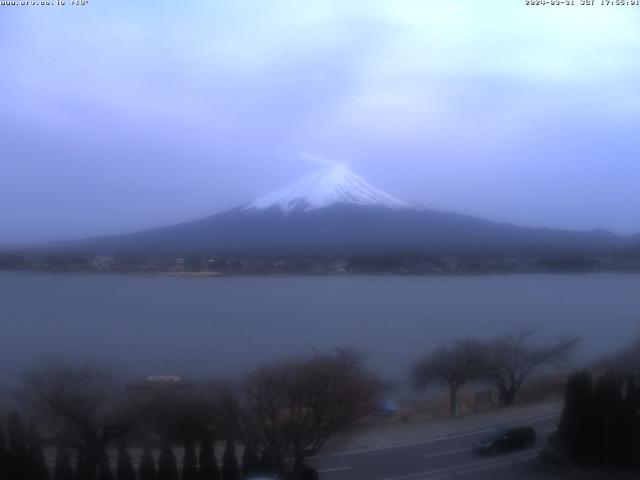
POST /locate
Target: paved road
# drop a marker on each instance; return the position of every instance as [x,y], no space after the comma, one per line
[435,459]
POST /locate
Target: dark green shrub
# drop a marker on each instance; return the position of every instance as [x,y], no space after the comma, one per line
[124,468]
[147,467]
[208,464]
[230,469]
[167,466]
[63,469]
[189,462]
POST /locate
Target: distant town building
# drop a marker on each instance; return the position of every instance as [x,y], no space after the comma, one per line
[156,382]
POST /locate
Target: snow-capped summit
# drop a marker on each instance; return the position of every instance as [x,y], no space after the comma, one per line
[327,187]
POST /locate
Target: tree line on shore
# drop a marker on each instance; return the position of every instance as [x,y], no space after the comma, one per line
[505,362]
[280,415]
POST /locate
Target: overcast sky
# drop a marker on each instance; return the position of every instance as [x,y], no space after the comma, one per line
[123,115]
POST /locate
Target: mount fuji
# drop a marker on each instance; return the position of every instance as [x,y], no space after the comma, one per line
[336,212]
[325,188]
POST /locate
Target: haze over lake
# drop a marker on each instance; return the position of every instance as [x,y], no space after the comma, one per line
[221,327]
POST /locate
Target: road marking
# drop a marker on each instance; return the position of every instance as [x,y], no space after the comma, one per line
[448,452]
[404,445]
[438,439]
[336,469]
[543,417]
[481,468]
[499,461]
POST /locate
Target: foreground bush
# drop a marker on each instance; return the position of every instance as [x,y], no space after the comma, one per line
[600,424]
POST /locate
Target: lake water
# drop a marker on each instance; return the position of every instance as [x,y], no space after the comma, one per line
[224,326]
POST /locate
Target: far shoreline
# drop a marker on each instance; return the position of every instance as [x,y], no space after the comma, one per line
[222,275]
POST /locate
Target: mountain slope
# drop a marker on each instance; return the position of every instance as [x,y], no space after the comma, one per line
[344,229]
[335,212]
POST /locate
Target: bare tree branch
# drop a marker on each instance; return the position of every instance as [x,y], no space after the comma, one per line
[513,358]
[85,406]
[291,410]
[452,365]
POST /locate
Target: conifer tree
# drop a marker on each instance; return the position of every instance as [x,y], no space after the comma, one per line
[599,426]
[124,469]
[62,469]
[82,470]
[167,466]
[208,464]
[230,469]
[18,454]
[17,437]
[607,421]
[147,467]
[189,462]
[3,441]
[636,424]
[575,431]
[104,468]
[600,423]
[3,454]
[631,412]
[38,469]
[266,463]
[617,447]
[250,462]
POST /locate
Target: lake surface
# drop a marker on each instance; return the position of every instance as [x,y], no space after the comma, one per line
[223,326]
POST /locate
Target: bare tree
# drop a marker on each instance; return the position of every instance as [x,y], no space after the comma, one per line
[85,406]
[452,365]
[290,410]
[513,358]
